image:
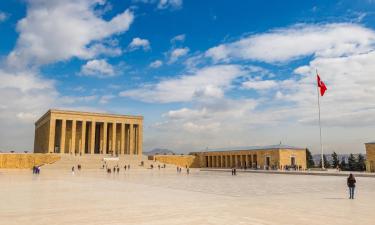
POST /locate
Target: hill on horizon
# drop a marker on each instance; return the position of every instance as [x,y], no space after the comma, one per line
[159,151]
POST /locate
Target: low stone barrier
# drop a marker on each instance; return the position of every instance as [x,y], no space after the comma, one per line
[190,161]
[306,172]
[26,160]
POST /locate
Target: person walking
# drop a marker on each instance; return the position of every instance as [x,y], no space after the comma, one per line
[351,184]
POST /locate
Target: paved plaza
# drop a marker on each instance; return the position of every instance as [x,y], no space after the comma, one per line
[162,197]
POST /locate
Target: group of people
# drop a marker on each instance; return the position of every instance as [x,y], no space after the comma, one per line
[179,169]
[36,169]
[115,168]
[234,171]
[78,167]
[163,166]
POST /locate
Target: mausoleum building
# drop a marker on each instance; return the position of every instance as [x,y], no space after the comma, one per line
[72,132]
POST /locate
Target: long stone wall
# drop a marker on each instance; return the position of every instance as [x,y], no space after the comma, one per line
[190,161]
[26,161]
[370,155]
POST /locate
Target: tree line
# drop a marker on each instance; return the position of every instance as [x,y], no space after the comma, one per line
[353,163]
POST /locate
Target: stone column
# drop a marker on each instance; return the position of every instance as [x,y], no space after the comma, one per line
[83,137]
[222,161]
[131,135]
[62,139]
[140,139]
[105,138]
[51,138]
[114,138]
[74,126]
[122,139]
[92,139]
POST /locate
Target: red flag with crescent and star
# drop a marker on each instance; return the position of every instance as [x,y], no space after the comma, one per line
[322,87]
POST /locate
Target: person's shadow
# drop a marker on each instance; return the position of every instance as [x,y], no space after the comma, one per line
[335,198]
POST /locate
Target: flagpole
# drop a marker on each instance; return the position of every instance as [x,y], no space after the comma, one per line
[320,126]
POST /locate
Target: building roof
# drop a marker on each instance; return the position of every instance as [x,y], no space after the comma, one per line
[372,142]
[246,148]
[85,113]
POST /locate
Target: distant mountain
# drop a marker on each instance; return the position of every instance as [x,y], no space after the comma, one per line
[159,151]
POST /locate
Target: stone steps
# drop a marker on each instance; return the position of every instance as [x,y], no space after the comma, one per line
[96,162]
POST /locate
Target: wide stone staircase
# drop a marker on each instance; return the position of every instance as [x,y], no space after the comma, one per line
[67,161]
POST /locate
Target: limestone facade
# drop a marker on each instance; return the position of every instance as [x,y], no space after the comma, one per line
[25,161]
[72,132]
[190,161]
[370,155]
[267,157]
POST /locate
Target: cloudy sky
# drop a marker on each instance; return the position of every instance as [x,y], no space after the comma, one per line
[202,73]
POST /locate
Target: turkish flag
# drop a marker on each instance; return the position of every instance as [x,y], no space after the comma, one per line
[321,85]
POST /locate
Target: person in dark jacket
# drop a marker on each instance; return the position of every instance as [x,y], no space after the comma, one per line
[351,184]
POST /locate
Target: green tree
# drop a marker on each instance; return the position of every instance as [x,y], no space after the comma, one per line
[326,162]
[343,165]
[335,160]
[309,159]
[361,165]
[352,163]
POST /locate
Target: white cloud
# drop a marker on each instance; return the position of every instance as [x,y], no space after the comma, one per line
[98,68]
[282,45]
[205,83]
[178,38]
[163,4]
[69,100]
[185,113]
[259,85]
[285,107]
[138,43]
[195,127]
[24,96]
[351,90]
[59,30]
[106,98]
[3,16]
[156,64]
[177,53]
[172,4]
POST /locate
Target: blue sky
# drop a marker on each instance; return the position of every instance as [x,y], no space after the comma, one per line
[203,74]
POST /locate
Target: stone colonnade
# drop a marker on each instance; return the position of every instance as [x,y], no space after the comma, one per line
[70,136]
[72,132]
[263,158]
[230,161]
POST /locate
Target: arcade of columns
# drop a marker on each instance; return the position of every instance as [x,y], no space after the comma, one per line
[72,132]
[228,161]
